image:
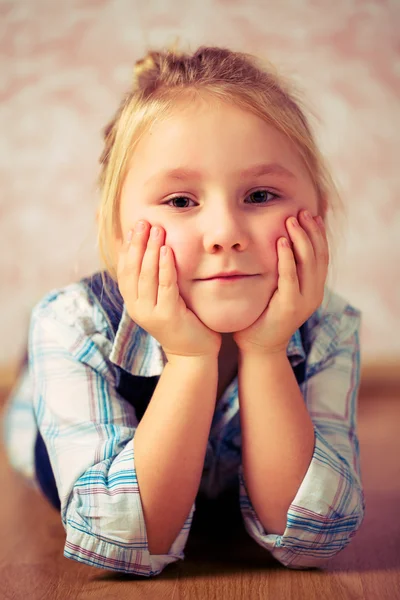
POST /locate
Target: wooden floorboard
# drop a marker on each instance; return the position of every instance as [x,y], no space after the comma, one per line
[32,565]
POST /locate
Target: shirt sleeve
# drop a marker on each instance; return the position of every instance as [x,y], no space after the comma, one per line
[329,505]
[89,433]
[19,427]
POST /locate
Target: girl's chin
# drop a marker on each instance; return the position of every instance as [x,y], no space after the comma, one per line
[227,323]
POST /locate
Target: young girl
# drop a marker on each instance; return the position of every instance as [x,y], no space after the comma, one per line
[210,354]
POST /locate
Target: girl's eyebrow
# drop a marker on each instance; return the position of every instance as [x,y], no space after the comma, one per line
[184,173]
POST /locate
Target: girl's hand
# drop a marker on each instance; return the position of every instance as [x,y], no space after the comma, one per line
[147,280]
[301,281]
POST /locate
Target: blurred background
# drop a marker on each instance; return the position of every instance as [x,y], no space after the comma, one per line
[64,68]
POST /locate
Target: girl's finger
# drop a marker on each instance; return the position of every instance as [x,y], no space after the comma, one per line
[304,254]
[148,277]
[168,290]
[127,268]
[319,267]
[129,263]
[288,283]
[317,235]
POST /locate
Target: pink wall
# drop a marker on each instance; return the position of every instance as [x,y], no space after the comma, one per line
[64,67]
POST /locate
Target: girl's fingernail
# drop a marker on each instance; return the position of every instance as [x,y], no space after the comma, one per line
[139,227]
[320,222]
[293,222]
[154,232]
[307,215]
[284,242]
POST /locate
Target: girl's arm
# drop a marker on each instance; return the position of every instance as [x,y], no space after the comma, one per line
[277,435]
[301,494]
[170,446]
[90,434]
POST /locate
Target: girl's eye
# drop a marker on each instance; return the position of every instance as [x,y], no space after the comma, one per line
[259,197]
[179,200]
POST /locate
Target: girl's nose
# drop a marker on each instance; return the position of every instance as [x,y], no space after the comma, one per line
[224,232]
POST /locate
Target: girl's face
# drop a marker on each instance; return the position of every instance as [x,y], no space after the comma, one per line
[221,182]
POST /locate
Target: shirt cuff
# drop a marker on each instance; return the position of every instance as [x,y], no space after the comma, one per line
[105,524]
[325,514]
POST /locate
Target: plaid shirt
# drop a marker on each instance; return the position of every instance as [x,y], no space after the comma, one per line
[69,393]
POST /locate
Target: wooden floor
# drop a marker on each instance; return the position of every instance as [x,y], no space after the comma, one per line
[32,565]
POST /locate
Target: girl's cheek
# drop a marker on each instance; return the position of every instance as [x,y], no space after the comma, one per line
[181,248]
[270,245]
[179,240]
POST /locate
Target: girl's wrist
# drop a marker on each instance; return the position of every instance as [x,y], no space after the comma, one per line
[270,356]
[198,361]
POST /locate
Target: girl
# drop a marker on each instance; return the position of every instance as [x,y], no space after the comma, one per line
[210,355]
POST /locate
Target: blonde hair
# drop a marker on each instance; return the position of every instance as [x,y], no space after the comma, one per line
[160,79]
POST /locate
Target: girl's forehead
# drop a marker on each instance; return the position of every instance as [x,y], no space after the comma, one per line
[199,111]
[207,132]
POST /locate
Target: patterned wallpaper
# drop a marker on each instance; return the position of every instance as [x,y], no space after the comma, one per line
[64,66]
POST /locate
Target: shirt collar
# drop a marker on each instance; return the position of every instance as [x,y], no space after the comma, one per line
[139,353]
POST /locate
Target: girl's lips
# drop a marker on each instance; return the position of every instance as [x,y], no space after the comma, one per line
[231,279]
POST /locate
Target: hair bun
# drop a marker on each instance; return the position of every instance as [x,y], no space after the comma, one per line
[147,69]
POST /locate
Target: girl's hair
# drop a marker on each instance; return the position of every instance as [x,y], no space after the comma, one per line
[162,79]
